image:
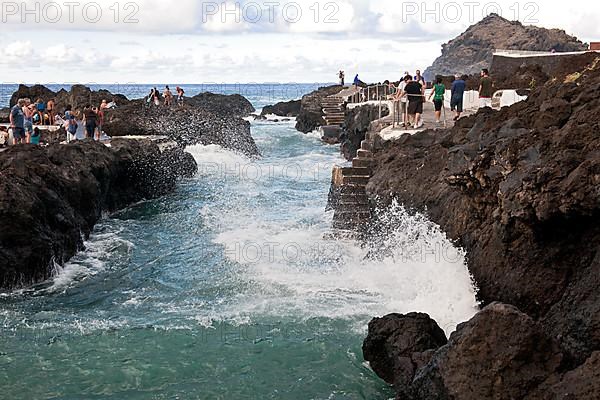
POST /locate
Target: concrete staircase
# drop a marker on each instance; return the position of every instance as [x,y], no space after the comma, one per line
[333,110]
[352,212]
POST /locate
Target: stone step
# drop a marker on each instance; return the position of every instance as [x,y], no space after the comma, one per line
[353,190]
[369,136]
[364,154]
[361,199]
[353,208]
[355,180]
[353,171]
[363,163]
[366,145]
[334,112]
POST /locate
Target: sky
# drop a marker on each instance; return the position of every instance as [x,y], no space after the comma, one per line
[248,41]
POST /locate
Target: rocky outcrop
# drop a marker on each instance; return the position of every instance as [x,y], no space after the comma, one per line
[311,111]
[358,122]
[518,189]
[398,345]
[51,197]
[473,49]
[233,105]
[187,125]
[501,353]
[283,109]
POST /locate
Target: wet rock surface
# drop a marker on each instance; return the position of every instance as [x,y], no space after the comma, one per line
[311,111]
[51,197]
[519,190]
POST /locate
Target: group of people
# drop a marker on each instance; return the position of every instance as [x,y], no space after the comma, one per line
[23,119]
[410,96]
[155,96]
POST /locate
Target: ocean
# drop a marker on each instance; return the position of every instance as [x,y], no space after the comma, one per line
[228,288]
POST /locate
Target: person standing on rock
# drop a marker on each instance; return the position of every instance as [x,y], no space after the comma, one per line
[457,92]
[486,89]
[17,121]
[401,100]
[438,93]
[50,108]
[168,96]
[342,77]
[41,109]
[180,93]
[414,92]
[28,112]
[89,121]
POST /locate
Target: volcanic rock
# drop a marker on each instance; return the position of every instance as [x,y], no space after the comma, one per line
[233,105]
[518,189]
[51,197]
[397,345]
[357,124]
[501,353]
[283,109]
[472,50]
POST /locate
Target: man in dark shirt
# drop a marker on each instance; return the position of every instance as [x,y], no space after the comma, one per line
[17,121]
[458,91]
[486,89]
[90,118]
[414,92]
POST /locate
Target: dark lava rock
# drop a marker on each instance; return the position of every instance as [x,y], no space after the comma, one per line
[51,197]
[580,383]
[188,125]
[233,105]
[357,124]
[397,345]
[4,115]
[472,50]
[522,198]
[311,111]
[331,134]
[283,109]
[500,353]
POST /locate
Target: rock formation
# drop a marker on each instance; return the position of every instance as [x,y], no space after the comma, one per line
[283,109]
[206,118]
[518,189]
[472,50]
[358,122]
[51,197]
[311,111]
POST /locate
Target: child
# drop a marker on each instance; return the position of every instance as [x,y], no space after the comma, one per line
[35,138]
[71,128]
[438,93]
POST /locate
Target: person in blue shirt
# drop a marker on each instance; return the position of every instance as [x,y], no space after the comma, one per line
[17,121]
[456,100]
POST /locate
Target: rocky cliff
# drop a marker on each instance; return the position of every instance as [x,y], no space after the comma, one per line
[473,49]
[518,189]
[51,197]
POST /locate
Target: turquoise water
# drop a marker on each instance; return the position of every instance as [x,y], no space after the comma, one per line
[227,289]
